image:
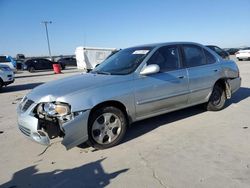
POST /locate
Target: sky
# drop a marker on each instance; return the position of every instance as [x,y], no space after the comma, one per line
[119,24]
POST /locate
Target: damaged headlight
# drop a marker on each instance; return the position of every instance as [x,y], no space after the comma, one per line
[53,109]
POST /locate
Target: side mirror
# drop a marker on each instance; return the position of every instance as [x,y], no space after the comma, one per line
[150,69]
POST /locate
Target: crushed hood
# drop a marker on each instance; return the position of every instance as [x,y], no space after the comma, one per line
[79,83]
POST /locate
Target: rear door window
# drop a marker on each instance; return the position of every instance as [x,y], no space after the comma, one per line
[209,57]
[193,56]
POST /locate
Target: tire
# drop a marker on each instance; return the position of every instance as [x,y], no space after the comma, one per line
[1,84]
[217,99]
[239,59]
[107,127]
[62,66]
[31,69]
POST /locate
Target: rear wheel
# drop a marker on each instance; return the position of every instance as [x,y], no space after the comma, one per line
[239,59]
[31,69]
[217,99]
[107,127]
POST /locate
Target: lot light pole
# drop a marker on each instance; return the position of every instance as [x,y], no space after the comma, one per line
[47,35]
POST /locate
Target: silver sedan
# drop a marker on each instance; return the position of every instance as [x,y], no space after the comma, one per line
[131,85]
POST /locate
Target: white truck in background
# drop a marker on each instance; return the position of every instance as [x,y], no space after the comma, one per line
[88,57]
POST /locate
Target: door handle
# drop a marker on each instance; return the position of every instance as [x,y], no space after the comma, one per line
[181,77]
[215,70]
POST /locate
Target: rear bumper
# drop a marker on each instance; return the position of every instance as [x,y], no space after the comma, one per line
[234,84]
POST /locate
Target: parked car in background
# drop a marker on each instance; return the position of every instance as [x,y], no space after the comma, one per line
[134,84]
[6,75]
[232,51]
[20,65]
[243,54]
[20,57]
[219,51]
[40,64]
[8,60]
[68,61]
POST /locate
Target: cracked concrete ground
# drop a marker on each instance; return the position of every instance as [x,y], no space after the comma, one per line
[187,148]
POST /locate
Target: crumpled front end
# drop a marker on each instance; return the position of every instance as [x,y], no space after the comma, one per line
[43,128]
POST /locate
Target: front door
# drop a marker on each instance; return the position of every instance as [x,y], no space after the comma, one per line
[163,91]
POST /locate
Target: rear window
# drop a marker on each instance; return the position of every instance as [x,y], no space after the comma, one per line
[209,57]
[248,48]
[4,59]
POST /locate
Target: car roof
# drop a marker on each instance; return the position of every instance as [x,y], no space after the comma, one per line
[37,59]
[212,46]
[153,45]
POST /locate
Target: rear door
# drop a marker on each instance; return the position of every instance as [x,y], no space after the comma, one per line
[165,90]
[46,64]
[203,71]
[36,64]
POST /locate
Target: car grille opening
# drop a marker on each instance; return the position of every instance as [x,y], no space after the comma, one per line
[27,104]
[25,130]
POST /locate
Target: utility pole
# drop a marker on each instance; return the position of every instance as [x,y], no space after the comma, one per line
[47,35]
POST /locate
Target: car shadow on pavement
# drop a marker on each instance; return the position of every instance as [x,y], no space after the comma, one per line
[34,75]
[87,175]
[13,88]
[240,95]
[43,73]
[140,128]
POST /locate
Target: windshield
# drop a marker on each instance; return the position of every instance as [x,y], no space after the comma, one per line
[123,62]
[4,59]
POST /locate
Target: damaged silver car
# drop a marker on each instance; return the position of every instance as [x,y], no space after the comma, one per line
[131,85]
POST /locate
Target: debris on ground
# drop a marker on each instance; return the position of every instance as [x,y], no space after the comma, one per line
[17,100]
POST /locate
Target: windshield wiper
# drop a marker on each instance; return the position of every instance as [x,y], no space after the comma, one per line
[101,72]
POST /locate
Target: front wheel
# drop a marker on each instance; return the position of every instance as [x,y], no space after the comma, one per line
[107,127]
[1,84]
[217,99]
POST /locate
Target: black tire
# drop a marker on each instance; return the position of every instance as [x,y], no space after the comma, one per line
[239,59]
[217,99]
[62,66]
[31,69]
[98,118]
[1,84]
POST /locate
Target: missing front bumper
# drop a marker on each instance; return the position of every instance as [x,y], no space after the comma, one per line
[73,132]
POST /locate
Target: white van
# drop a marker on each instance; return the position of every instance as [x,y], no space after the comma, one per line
[88,57]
